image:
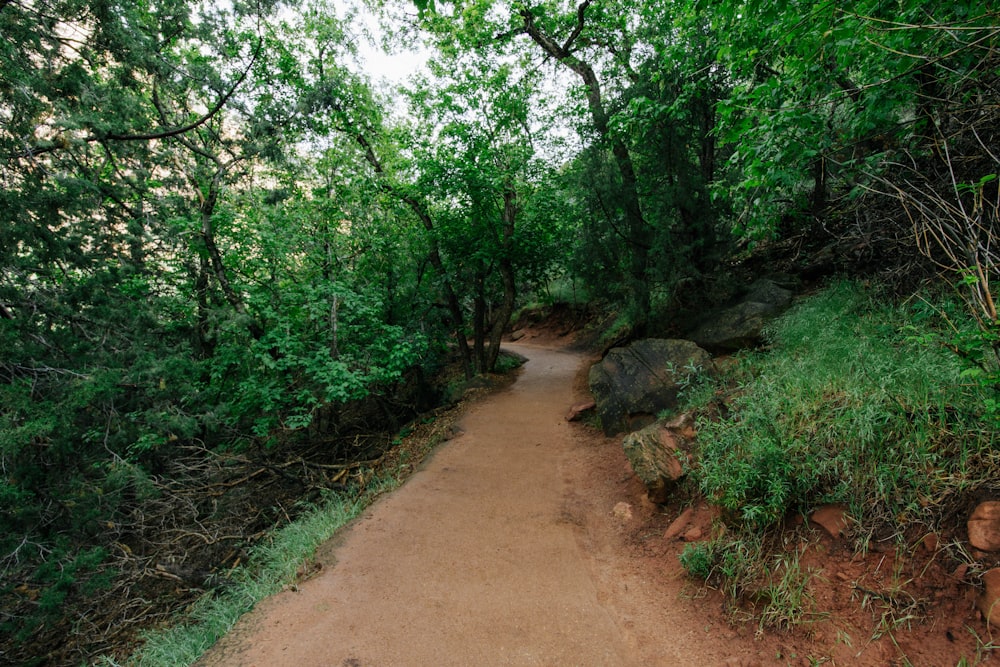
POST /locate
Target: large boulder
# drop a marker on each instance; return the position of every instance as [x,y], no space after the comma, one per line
[740,325]
[633,384]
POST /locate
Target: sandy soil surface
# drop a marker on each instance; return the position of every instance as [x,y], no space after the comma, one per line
[527,540]
[499,551]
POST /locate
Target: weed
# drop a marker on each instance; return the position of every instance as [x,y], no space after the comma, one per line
[698,559]
[845,409]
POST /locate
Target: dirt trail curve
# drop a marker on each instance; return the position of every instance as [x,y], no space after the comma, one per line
[506,548]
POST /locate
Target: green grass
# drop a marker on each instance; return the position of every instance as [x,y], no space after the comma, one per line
[272,566]
[847,408]
[858,403]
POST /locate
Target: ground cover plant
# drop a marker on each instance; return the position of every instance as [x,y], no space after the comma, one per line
[857,402]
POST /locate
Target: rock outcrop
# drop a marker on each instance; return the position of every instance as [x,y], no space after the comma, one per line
[633,384]
[740,325]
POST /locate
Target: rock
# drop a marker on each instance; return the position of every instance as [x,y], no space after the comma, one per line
[740,325]
[679,525]
[987,601]
[632,384]
[693,535]
[623,512]
[832,518]
[577,411]
[984,526]
[657,455]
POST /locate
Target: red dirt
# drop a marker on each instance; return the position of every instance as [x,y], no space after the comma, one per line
[527,540]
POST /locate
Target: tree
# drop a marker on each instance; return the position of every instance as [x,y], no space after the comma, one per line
[477,167]
[635,100]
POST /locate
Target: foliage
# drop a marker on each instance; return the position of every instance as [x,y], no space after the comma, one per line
[214,232]
[173,272]
[858,402]
[824,95]
[849,408]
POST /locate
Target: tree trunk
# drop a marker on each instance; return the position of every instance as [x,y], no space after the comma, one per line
[204,348]
[434,256]
[479,321]
[637,229]
[507,277]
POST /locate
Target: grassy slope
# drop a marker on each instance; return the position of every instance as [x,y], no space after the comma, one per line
[857,402]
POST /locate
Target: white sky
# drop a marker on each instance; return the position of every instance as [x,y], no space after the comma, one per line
[394,68]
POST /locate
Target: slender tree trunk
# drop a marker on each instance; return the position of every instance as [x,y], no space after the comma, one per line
[434,256]
[204,348]
[507,276]
[479,321]
[637,229]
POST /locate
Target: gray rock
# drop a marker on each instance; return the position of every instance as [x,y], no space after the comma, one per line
[741,324]
[633,384]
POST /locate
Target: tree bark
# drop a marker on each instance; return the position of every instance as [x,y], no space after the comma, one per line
[507,277]
[479,321]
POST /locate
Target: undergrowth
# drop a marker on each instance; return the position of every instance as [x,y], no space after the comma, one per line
[858,402]
[273,566]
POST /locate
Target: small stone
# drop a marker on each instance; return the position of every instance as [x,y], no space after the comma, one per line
[693,535]
[930,542]
[678,525]
[622,511]
[833,519]
[960,571]
[984,526]
[988,599]
[657,455]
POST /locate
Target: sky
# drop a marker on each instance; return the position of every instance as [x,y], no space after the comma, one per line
[392,68]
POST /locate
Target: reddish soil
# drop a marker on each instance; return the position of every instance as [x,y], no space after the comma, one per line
[526,540]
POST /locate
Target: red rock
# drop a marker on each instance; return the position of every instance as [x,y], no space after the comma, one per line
[930,542]
[679,524]
[693,535]
[988,599]
[984,526]
[833,519]
[577,411]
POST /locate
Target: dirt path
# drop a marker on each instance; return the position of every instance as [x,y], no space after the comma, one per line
[506,548]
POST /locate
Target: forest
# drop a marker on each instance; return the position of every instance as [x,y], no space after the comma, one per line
[224,240]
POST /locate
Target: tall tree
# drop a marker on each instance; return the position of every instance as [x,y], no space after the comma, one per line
[619,55]
[476,167]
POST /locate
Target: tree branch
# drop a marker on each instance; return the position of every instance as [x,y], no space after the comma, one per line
[166,134]
[579,25]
